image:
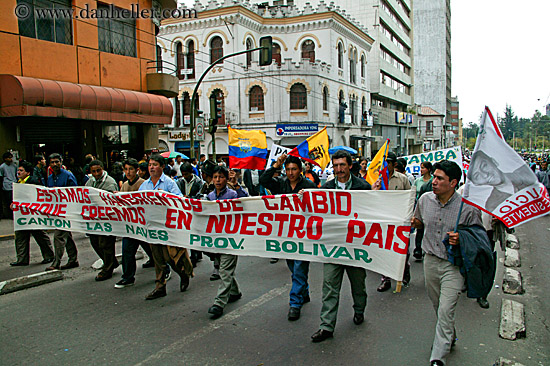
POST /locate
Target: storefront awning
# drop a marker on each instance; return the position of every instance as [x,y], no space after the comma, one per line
[22,96]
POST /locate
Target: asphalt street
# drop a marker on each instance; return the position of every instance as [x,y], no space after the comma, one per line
[78,321]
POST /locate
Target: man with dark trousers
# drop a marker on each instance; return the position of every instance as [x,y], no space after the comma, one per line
[163,255]
[23,237]
[62,239]
[294,182]
[333,274]
[104,245]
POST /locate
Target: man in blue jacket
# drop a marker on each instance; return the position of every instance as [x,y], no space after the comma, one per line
[62,239]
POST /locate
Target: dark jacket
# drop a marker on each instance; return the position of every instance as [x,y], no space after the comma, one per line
[253,189]
[357,184]
[32,180]
[280,185]
[475,258]
[195,188]
[40,175]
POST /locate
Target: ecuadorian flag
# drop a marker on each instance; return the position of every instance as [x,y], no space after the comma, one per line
[314,149]
[378,164]
[247,149]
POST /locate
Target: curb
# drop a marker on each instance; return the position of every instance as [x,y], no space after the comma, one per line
[512,258]
[512,283]
[512,320]
[24,282]
[505,362]
[7,237]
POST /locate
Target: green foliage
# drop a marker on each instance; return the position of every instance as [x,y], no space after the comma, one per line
[525,133]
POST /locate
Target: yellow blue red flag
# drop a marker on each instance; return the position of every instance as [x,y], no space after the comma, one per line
[247,149]
[314,149]
[373,170]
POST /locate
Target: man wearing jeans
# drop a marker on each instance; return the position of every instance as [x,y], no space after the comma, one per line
[294,182]
[437,213]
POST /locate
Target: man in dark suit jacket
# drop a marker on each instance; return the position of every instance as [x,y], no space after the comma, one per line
[333,274]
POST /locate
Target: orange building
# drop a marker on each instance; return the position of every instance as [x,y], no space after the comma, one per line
[80,84]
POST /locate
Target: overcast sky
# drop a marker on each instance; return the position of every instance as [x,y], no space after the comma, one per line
[500,55]
[499,49]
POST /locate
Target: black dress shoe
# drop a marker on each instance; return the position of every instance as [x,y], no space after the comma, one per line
[233,298]
[184,283]
[216,311]
[321,335]
[70,265]
[46,261]
[406,277]
[18,264]
[102,276]
[148,264]
[293,313]
[483,303]
[358,318]
[436,363]
[158,292]
[385,285]
[417,254]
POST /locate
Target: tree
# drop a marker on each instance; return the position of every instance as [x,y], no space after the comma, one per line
[508,123]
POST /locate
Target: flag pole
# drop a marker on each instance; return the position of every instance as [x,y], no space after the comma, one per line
[459,213]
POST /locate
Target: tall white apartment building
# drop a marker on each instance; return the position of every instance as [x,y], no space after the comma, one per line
[390,70]
[432,63]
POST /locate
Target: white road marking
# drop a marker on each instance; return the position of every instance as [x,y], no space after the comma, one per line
[218,323]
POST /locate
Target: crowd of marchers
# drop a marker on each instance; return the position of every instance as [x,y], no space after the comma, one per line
[436,212]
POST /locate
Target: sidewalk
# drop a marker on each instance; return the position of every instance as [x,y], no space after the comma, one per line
[6,229]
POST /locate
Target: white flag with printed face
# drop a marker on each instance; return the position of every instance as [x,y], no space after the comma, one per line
[500,182]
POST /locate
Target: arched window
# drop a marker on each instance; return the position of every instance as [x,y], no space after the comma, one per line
[353,108]
[220,97]
[187,106]
[308,50]
[256,96]
[325,98]
[159,59]
[191,58]
[216,49]
[341,98]
[180,60]
[363,64]
[177,115]
[249,54]
[276,54]
[364,110]
[340,55]
[298,96]
[352,66]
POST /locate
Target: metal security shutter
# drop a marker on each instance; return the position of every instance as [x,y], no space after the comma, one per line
[44,130]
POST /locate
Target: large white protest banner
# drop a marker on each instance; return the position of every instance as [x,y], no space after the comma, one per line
[368,229]
[414,161]
[500,182]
